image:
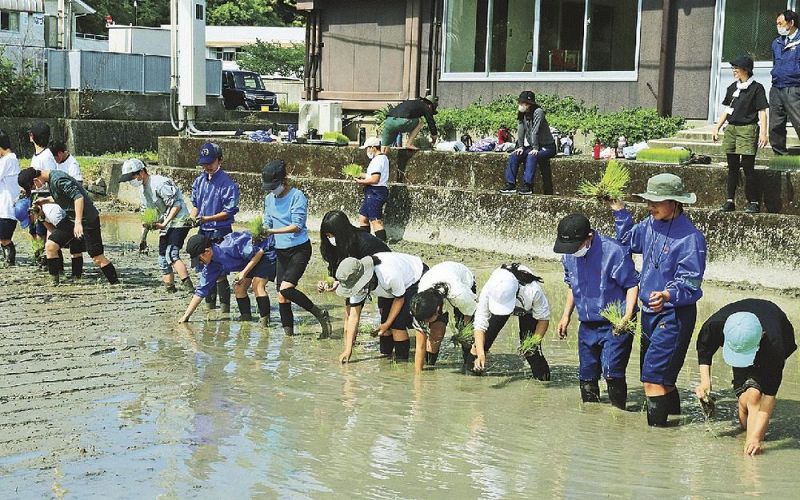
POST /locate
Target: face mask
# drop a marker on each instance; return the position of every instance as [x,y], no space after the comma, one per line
[783,31]
[370,155]
[332,240]
[136,183]
[277,191]
[522,108]
[581,252]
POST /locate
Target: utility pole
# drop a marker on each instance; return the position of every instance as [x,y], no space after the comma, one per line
[64,24]
[135,13]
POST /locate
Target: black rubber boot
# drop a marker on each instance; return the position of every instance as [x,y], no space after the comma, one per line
[386,344]
[245,314]
[10,252]
[539,367]
[287,317]
[431,357]
[469,360]
[110,272]
[617,392]
[187,285]
[263,310]
[590,391]
[402,348]
[52,269]
[657,411]
[324,320]
[674,402]
[211,298]
[224,294]
[77,267]
[170,287]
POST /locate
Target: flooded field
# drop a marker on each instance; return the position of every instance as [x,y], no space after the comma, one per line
[102,394]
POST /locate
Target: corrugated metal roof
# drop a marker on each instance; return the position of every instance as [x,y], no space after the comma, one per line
[22,5]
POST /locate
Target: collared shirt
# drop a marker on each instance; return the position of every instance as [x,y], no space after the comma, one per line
[44,160]
[9,189]
[71,166]
[65,190]
[530,299]
[459,280]
[232,254]
[163,194]
[215,195]
[673,256]
[599,278]
[379,165]
[786,61]
[283,211]
[396,273]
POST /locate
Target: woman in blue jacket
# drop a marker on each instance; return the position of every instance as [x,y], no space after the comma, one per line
[673,263]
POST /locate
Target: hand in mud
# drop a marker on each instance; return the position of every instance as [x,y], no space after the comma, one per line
[344,357]
[753,448]
[480,362]
[183,319]
[703,390]
[562,327]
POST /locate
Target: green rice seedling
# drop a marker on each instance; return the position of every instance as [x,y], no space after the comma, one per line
[256,228]
[368,329]
[785,162]
[663,155]
[530,344]
[149,218]
[352,170]
[337,137]
[613,313]
[611,186]
[464,334]
[37,246]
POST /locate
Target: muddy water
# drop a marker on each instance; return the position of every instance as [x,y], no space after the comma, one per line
[102,394]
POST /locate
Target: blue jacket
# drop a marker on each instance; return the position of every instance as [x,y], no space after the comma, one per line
[600,277]
[292,208]
[232,254]
[220,194]
[785,63]
[673,257]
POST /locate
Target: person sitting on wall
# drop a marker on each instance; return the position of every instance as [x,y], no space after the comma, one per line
[746,113]
[534,144]
[405,117]
[756,339]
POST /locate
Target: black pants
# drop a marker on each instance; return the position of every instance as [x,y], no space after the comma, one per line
[527,325]
[748,164]
[783,104]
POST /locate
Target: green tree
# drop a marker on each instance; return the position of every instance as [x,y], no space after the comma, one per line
[16,87]
[267,58]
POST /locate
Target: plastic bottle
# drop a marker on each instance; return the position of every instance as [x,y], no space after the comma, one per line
[292,133]
[622,143]
[597,148]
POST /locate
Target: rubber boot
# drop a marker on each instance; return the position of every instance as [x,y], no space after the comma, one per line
[263,310]
[52,269]
[110,272]
[402,350]
[287,317]
[674,402]
[431,357]
[590,391]
[187,285]
[539,367]
[386,344]
[170,287]
[211,299]
[324,320]
[77,268]
[657,411]
[245,314]
[617,392]
[469,360]
[288,330]
[10,254]
[224,294]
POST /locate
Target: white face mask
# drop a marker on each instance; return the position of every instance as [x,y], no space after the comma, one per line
[136,183]
[332,240]
[370,155]
[522,108]
[783,31]
[581,252]
[277,191]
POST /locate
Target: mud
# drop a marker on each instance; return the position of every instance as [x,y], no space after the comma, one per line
[102,394]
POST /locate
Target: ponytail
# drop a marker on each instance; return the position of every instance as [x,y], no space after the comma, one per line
[523,276]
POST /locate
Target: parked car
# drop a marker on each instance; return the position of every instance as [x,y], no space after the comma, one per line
[244,90]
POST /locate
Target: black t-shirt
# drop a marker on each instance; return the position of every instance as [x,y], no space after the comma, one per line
[415,109]
[746,107]
[777,344]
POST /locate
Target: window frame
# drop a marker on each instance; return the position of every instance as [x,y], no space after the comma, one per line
[10,13]
[535,75]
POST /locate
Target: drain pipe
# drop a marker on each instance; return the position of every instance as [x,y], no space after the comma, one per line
[307,63]
[174,112]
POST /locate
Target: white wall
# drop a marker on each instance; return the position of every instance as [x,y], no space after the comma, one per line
[31,31]
[139,40]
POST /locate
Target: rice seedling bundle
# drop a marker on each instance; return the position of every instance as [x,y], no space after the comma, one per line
[612,185]
[256,227]
[613,313]
[37,246]
[663,155]
[465,333]
[339,138]
[352,170]
[149,217]
[785,162]
[530,344]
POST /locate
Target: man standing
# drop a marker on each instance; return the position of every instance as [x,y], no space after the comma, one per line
[215,197]
[784,97]
[405,117]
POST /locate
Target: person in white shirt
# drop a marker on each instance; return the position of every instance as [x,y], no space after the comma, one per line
[65,161]
[9,192]
[393,277]
[449,282]
[376,191]
[53,217]
[39,135]
[511,289]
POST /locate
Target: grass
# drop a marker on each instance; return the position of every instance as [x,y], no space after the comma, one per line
[149,217]
[785,162]
[614,312]
[289,107]
[663,155]
[530,344]
[337,137]
[352,170]
[611,186]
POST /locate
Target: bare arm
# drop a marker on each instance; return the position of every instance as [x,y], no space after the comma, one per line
[631,298]
[763,123]
[394,311]
[704,388]
[79,217]
[190,309]
[250,265]
[722,118]
[369,180]
[419,351]
[291,228]
[350,332]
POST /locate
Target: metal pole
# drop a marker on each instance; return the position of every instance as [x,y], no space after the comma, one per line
[666,66]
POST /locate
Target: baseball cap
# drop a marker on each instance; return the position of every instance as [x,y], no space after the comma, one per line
[527,96]
[208,153]
[572,232]
[353,275]
[130,168]
[742,332]
[273,174]
[196,245]
[21,208]
[25,178]
[372,142]
[501,290]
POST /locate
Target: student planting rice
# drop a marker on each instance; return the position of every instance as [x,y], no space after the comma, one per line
[393,278]
[54,219]
[237,252]
[598,272]
[673,263]
[161,194]
[451,282]
[215,200]
[82,222]
[285,212]
[39,136]
[756,339]
[376,191]
[339,240]
[9,191]
[511,290]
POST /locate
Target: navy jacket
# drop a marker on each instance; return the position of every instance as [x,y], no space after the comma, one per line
[786,62]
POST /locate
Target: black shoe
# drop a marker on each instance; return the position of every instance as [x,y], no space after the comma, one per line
[324,320]
[752,208]
[728,206]
[469,362]
[525,190]
[590,391]
[509,189]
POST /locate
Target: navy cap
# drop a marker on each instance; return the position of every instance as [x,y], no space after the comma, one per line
[208,153]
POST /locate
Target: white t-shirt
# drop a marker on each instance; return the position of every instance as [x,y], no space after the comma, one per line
[44,161]
[530,299]
[379,165]
[396,273]
[53,213]
[459,280]
[71,167]
[9,189]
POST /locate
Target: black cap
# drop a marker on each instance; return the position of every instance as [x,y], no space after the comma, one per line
[572,232]
[273,174]
[527,96]
[25,178]
[743,62]
[196,245]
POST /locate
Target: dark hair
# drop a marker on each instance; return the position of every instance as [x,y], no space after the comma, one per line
[790,16]
[524,277]
[58,147]
[425,303]
[336,223]
[5,140]
[41,134]
[533,107]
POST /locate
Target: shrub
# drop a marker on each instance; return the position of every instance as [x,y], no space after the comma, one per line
[289,107]
[661,155]
[16,87]
[637,124]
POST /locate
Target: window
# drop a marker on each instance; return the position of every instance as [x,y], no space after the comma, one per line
[9,21]
[750,28]
[530,37]
[248,81]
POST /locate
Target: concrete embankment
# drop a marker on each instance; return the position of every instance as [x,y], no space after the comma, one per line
[450,199]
